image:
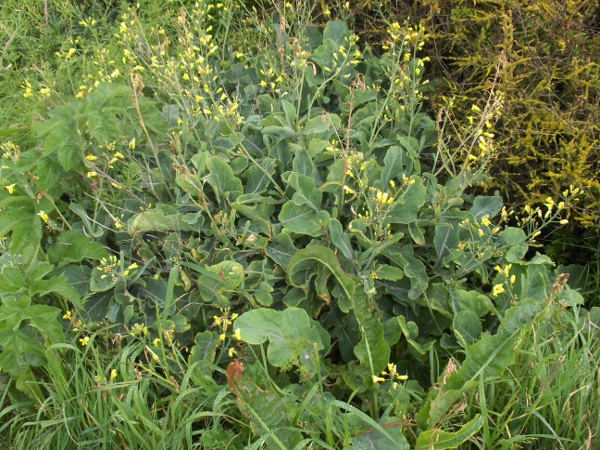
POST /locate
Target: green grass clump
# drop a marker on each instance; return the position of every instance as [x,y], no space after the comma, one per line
[236,227]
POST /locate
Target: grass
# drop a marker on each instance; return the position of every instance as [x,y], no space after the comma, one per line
[550,397]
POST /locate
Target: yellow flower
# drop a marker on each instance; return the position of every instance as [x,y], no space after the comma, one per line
[67,315]
[377,379]
[43,215]
[132,144]
[156,342]
[84,341]
[485,221]
[113,374]
[10,188]
[232,352]
[238,334]
[497,290]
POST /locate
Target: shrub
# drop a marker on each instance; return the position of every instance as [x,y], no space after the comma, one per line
[276,220]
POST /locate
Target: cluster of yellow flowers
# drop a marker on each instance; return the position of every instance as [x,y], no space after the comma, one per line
[391,374]
[224,322]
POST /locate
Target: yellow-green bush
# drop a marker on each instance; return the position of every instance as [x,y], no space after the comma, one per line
[543,57]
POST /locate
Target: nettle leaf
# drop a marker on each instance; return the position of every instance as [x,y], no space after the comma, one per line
[23,222]
[49,173]
[292,335]
[223,181]
[217,283]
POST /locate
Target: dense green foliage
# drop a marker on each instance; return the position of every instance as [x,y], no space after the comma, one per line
[256,237]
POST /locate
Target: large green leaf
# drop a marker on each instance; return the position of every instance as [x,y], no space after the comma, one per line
[307,192]
[161,218]
[19,349]
[73,246]
[341,240]
[303,219]
[223,181]
[291,333]
[325,256]
[218,282]
[63,137]
[393,163]
[487,358]
[436,439]
[406,207]
[372,351]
